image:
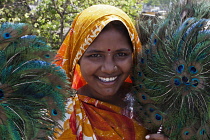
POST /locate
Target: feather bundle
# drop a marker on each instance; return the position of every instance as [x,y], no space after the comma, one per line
[172,78]
[32,90]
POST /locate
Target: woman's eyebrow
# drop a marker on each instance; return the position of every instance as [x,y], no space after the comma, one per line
[124,49]
[99,51]
[94,51]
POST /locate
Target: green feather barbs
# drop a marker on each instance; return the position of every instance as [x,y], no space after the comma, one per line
[173,77]
[32,90]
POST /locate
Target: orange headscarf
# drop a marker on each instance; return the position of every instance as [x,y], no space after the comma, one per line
[85,28]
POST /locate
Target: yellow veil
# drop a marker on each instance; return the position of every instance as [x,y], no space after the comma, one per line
[85,28]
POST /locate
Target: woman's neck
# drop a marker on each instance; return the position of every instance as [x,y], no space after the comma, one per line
[117,99]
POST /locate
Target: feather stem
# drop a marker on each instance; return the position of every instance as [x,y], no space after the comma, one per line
[27,83]
[163,94]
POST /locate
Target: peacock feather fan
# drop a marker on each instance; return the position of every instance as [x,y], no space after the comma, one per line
[172,79]
[32,90]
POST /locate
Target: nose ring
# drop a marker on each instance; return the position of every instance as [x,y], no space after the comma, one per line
[115,67]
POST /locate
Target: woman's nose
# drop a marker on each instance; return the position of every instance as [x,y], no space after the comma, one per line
[108,66]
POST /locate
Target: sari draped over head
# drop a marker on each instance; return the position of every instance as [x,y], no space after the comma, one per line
[85,28]
[88,118]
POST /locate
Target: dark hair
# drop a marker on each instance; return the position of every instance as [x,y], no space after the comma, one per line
[119,26]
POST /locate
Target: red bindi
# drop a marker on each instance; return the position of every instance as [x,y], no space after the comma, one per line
[109,49]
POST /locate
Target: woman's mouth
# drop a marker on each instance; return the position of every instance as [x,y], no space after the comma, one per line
[107,79]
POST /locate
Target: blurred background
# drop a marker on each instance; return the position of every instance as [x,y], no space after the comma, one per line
[52,18]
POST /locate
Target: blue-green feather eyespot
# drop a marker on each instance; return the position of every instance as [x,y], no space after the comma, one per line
[155,41]
[193,70]
[195,82]
[47,56]
[177,82]
[139,74]
[180,68]
[135,92]
[142,60]
[186,133]
[54,112]
[151,109]
[158,117]
[1,94]
[6,35]
[144,97]
[202,132]
[132,78]
[59,87]
[147,51]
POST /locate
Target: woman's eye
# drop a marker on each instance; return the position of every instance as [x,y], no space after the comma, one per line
[95,55]
[121,54]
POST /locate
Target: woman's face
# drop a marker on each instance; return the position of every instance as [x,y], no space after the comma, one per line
[106,64]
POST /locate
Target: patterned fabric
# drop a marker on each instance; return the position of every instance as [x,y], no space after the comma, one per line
[85,28]
[88,118]
[91,119]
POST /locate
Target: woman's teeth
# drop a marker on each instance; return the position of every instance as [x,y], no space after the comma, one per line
[110,79]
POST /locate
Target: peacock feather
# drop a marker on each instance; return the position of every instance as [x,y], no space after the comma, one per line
[32,90]
[172,78]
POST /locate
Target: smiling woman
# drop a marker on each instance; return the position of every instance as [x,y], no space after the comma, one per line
[106,64]
[97,55]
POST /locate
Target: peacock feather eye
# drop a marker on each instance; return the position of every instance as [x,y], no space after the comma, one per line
[186,133]
[151,109]
[54,112]
[202,132]
[193,70]
[38,45]
[132,78]
[47,56]
[6,35]
[177,82]
[59,87]
[155,41]
[139,74]
[1,94]
[158,117]
[144,97]
[180,68]
[147,51]
[195,82]
[142,60]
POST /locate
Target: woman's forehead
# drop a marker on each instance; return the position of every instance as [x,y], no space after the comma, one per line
[110,40]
